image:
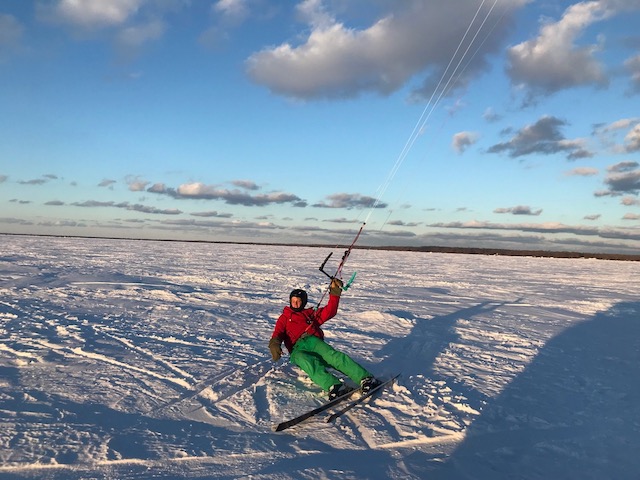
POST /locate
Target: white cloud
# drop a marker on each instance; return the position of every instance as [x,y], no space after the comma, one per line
[552,62]
[129,24]
[315,14]
[90,13]
[611,134]
[335,61]
[198,190]
[632,139]
[491,116]
[11,32]
[350,200]
[232,10]
[137,185]
[630,201]
[633,67]
[136,36]
[582,172]
[621,124]
[519,210]
[463,140]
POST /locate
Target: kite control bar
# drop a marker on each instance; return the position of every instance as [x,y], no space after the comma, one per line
[323,264]
[344,258]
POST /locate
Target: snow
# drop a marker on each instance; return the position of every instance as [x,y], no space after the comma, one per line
[137,359]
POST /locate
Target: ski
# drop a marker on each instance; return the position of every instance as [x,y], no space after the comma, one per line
[360,399]
[301,418]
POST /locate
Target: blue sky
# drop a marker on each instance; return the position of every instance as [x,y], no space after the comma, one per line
[506,124]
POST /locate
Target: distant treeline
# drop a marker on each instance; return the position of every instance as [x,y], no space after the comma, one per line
[433,249]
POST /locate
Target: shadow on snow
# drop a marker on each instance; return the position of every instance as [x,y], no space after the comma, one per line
[573,413]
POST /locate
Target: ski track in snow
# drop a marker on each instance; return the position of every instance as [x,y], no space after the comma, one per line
[132,359]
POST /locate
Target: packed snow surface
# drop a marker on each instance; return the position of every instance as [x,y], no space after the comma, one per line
[137,359]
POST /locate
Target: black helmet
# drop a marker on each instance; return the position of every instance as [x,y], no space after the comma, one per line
[301,294]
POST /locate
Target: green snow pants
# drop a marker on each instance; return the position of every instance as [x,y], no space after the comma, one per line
[314,356]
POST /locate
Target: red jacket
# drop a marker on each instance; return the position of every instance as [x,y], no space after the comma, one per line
[291,325]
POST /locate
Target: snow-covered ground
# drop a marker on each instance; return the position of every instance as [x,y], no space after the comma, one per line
[136,359]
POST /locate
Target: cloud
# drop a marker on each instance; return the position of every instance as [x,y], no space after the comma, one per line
[130,40]
[227,226]
[11,34]
[146,209]
[349,201]
[622,177]
[136,185]
[55,203]
[592,217]
[128,206]
[552,62]
[3,178]
[15,221]
[233,11]
[396,234]
[519,210]
[630,201]
[491,116]
[235,197]
[246,184]
[609,134]
[315,14]
[129,24]
[211,214]
[106,183]
[623,167]
[89,14]
[543,137]
[226,15]
[213,37]
[623,182]
[335,61]
[93,204]
[201,191]
[162,189]
[582,172]
[61,223]
[35,181]
[546,228]
[342,220]
[633,67]
[463,140]
[622,124]
[401,223]
[632,140]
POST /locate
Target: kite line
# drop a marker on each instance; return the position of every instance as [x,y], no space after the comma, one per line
[448,78]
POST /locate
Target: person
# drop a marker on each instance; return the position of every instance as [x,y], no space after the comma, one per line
[299,328]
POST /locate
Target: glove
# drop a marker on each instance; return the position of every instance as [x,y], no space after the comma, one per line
[276,350]
[336,287]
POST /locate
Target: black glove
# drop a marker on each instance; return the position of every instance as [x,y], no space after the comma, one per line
[276,350]
[336,287]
